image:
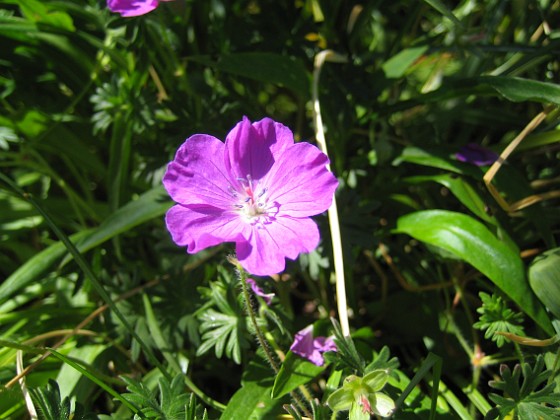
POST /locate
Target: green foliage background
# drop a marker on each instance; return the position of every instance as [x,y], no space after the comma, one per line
[93,107]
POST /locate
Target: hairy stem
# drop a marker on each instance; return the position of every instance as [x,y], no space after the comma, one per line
[269,353]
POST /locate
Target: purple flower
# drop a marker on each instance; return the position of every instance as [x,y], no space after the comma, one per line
[129,8]
[257,190]
[310,348]
[267,297]
[477,155]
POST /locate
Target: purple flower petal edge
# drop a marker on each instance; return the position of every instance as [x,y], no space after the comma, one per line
[267,297]
[131,8]
[477,155]
[310,348]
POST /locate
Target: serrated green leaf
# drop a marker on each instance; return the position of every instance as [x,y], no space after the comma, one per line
[223,332]
[471,241]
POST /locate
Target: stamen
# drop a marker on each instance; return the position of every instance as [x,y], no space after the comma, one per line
[232,191]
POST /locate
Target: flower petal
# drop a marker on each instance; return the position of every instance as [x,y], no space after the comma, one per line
[311,349]
[476,155]
[197,174]
[303,342]
[324,344]
[383,405]
[199,227]
[267,297]
[130,8]
[251,149]
[269,244]
[300,182]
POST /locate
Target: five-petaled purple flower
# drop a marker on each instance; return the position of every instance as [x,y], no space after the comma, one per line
[476,155]
[267,297]
[257,190]
[310,348]
[130,8]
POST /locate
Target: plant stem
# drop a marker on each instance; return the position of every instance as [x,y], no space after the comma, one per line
[269,354]
[334,224]
[251,311]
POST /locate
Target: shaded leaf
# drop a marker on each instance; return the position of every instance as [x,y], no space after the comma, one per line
[471,241]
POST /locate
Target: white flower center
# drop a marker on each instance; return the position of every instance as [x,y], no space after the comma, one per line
[251,202]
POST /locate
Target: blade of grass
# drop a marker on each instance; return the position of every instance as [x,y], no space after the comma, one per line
[159,339]
[432,361]
[89,273]
[97,381]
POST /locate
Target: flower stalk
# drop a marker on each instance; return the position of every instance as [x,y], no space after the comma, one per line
[334,224]
[251,311]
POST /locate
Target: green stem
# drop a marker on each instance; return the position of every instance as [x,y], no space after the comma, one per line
[269,354]
[251,311]
[555,367]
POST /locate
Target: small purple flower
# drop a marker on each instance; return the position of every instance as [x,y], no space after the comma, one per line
[257,190]
[267,297]
[476,155]
[310,348]
[130,8]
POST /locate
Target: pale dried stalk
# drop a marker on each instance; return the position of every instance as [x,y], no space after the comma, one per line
[334,224]
[28,401]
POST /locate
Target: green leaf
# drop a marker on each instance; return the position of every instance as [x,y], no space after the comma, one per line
[50,406]
[224,333]
[471,241]
[526,399]
[157,335]
[153,203]
[68,377]
[252,400]
[340,400]
[377,379]
[437,159]
[517,89]
[444,10]
[431,361]
[460,189]
[295,371]
[141,396]
[396,66]
[85,372]
[263,67]
[36,266]
[149,205]
[544,278]
[496,317]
